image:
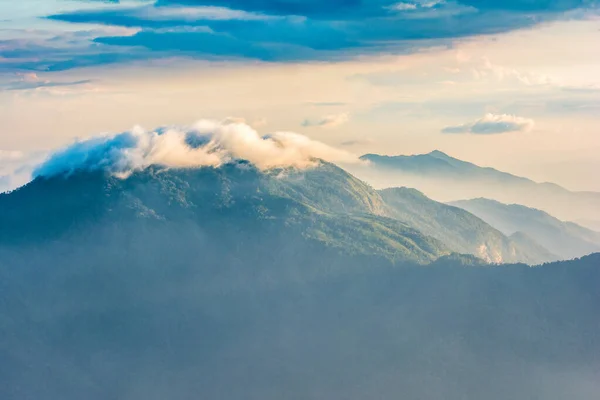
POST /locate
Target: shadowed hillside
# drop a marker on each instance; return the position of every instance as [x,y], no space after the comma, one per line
[236,284]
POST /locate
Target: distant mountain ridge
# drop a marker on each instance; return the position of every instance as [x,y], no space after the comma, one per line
[445,178]
[567,239]
[461,230]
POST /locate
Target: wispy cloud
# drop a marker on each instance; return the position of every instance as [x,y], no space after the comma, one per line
[401,6]
[328,121]
[477,71]
[31,81]
[16,168]
[493,124]
[357,142]
[52,50]
[489,70]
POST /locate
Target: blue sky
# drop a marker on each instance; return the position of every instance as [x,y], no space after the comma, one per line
[513,84]
[281,30]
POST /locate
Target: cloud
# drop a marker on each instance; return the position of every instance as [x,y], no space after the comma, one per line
[150,15]
[346,8]
[16,168]
[402,6]
[493,124]
[31,81]
[49,50]
[283,30]
[328,121]
[205,144]
[256,123]
[357,142]
[476,71]
[501,73]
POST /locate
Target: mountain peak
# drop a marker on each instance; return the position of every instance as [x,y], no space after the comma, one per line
[439,154]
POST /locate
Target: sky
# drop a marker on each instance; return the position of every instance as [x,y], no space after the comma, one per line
[511,84]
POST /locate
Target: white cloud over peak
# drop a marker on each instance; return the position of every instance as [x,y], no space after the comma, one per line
[493,124]
[206,143]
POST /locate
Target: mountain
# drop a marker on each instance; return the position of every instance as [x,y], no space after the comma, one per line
[566,239]
[460,230]
[231,283]
[167,321]
[208,207]
[324,206]
[445,178]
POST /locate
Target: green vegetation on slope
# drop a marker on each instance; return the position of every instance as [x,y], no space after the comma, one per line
[458,229]
[566,239]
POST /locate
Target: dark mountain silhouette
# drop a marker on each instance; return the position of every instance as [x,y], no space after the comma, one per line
[445,178]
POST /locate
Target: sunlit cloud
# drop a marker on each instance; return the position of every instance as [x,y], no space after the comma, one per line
[492,124]
[207,143]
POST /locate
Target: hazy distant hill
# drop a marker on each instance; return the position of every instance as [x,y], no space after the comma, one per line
[445,178]
[564,238]
[460,230]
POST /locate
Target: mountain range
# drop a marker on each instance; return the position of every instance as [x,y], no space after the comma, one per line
[566,239]
[445,178]
[235,283]
[325,206]
[460,230]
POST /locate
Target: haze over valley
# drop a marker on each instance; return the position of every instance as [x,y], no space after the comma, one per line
[299,200]
[284,274]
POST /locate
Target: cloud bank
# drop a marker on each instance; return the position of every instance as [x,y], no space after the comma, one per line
[205,144]
[277,30]
[492,124]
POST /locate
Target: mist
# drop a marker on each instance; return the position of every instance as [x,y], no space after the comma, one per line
[557,201]
[224,282]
